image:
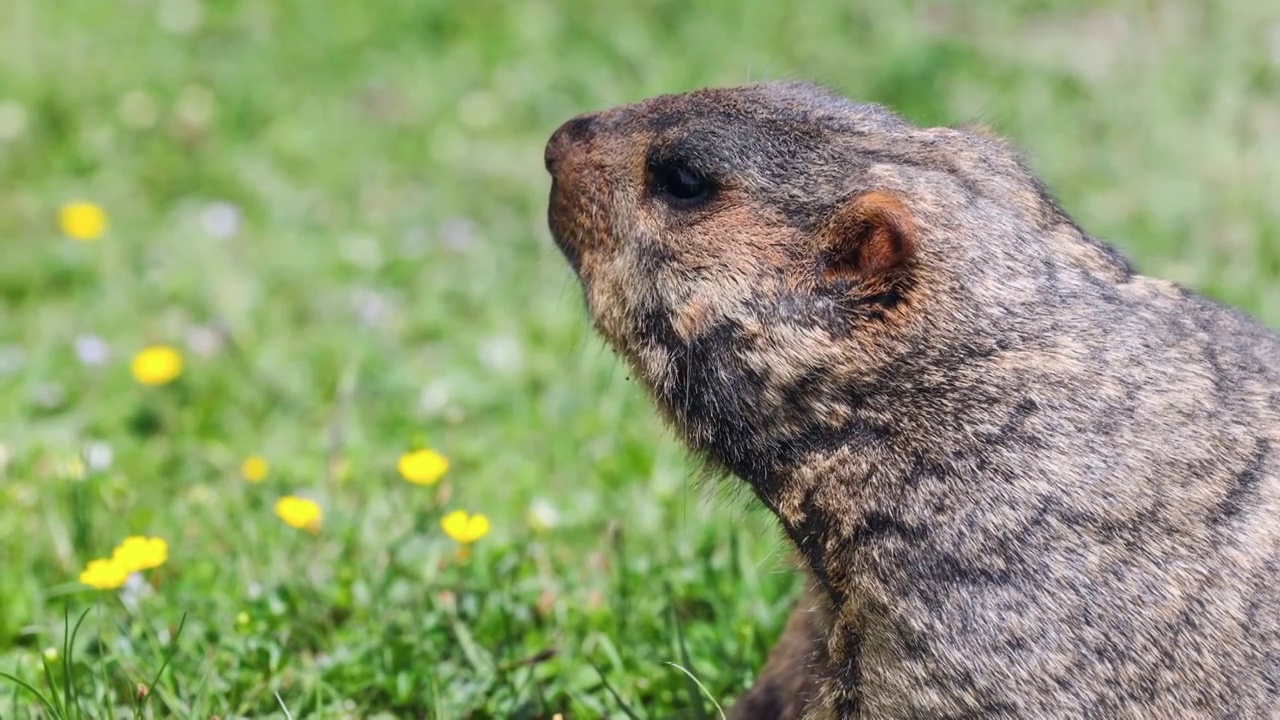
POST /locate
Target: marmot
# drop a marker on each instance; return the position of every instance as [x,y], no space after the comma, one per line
[1027,480]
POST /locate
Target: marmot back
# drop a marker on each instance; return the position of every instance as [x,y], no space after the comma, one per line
[1027,480]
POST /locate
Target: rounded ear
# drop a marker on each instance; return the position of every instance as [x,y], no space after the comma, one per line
[870,236]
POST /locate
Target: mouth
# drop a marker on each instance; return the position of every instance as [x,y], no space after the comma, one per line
[560,233]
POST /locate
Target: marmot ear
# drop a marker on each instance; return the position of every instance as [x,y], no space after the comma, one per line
[870,235]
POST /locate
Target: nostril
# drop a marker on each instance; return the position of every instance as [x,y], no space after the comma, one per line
[574,130]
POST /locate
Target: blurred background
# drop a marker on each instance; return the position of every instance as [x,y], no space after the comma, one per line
[256,250]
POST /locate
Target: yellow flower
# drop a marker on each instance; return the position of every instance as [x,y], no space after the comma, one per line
[423,467]
[104,574]
[82,220]
[137,553]
[464,528]
[157,365]
[299,512]
[255,468]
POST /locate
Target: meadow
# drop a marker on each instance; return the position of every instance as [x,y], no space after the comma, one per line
[279,306]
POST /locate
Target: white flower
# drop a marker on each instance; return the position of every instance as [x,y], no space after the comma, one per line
[92,350]
[204,340]
[501,353]
[220,220]
[98,456]
[434,398]
[134,590]
[543,515]
[48,395]
[13,120]
[371,306]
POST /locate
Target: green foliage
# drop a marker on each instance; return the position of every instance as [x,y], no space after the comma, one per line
[335,210]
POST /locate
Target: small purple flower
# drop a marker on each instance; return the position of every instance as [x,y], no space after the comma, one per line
[457,233]
[220,220]
[92,350]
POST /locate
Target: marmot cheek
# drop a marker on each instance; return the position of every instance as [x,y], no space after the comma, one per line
[562,235]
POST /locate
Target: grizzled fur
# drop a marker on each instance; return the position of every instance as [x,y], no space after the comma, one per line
[1026,480]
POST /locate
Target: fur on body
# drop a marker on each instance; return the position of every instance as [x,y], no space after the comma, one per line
[1027,480]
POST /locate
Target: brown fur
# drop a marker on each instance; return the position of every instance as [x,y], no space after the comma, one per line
[1027,480]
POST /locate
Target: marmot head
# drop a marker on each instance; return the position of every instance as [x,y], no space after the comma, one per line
[764,255]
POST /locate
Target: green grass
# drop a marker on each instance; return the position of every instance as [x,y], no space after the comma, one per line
[392,286]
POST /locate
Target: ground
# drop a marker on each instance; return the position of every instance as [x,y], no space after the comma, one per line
[335,214]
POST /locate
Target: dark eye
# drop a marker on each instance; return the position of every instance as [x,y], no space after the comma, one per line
[680,183]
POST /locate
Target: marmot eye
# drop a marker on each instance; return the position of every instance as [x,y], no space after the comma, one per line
[680,183]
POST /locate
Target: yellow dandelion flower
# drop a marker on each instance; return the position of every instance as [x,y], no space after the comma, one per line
[299,512]
[157,365]
[465,528]
[255,468]
[82,220]
[104,574]
[136,553]
[423,467]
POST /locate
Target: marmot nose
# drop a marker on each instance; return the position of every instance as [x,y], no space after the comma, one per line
[575,130]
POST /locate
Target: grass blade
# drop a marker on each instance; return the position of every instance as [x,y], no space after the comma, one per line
[701,687]
[288,715]
[50,679]
[691,683]
[66,660]
[621,703]
[69,648]
[102,668]
[173,649]
[53,709]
